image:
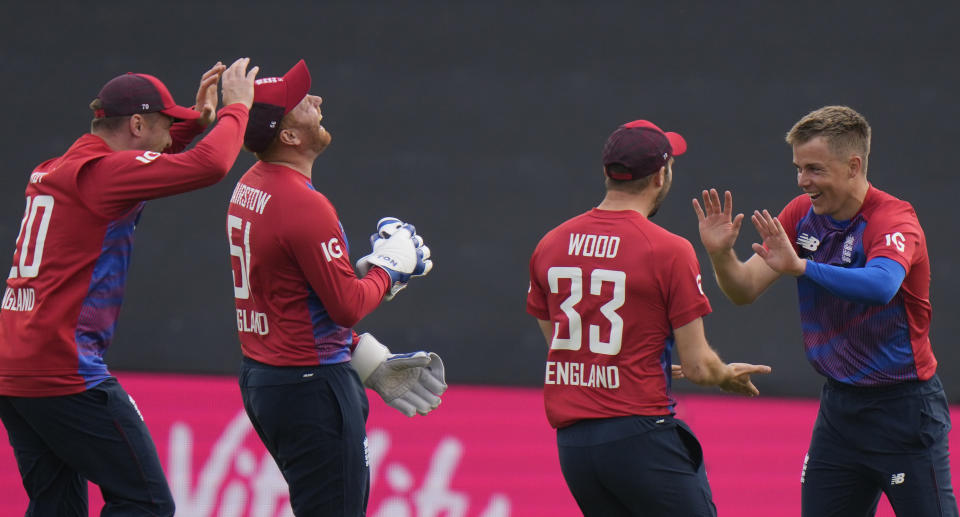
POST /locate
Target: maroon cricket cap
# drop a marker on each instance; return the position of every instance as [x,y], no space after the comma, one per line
[274,97]
[642,148]
[133,93]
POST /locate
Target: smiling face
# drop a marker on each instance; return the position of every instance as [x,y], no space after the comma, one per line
[834,181]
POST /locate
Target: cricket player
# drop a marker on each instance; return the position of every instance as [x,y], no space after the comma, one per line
[297,299]
[68,419]
[863,281]
[615,295]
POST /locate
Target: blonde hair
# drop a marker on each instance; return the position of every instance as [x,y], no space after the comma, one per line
[846,131]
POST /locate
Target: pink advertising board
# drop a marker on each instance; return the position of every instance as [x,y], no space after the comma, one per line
[486,452]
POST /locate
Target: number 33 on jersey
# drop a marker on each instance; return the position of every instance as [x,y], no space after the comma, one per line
[612,286]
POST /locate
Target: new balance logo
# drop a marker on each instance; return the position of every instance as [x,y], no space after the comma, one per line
[808,242]
[897,479]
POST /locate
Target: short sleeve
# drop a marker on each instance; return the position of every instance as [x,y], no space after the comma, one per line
[536,294]
[685,299]
[791,214]
[893,233]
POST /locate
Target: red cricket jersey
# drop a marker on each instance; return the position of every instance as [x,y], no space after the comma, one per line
[63,295]
[297,295]
[614,285]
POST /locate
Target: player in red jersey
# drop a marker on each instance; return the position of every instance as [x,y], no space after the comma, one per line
[613,294]
[297,299]
[68,419]
[863,282]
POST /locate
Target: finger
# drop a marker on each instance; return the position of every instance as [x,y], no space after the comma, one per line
[715,201]
[696,208]
[423,251]
[427,266]
[252,74]
[779,227]
[737,222]
[759,250]
[758,224]
[422,405]
[215,70]
[750,389]
[728,203]
[432,383]
[429,399]
[403,406]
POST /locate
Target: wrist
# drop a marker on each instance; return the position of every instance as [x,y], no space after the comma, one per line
[801,268]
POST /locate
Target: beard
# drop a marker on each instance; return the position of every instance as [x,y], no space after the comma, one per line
[659,199]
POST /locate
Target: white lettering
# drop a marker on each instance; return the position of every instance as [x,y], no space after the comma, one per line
[37,177]
[252,199]
[897,240]
[589,245]
[238,477]
[576,242]
[331,249]
[600,246]
[20,300]
[254,322]
[148,156]
[583,375]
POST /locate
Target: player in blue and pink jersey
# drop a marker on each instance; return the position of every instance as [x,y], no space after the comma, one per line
[863,280]
[614,295]
[68,419]
[297,300]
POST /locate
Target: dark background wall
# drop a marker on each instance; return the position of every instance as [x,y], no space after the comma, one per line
[482,123]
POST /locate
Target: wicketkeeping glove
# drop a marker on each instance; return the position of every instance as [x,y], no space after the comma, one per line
[383,244]
[410,383]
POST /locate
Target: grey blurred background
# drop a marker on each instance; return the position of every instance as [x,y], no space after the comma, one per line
[482,123]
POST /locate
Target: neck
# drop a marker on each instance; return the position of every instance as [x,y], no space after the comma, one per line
[854,203]
[292,160]
[617,200]
[114,141]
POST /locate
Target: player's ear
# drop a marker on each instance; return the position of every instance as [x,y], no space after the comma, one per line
[855,165]
[660,177]
[136,124]
[289,137]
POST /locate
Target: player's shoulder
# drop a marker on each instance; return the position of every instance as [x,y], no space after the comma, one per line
[881,205]
[880,200]
[799,204]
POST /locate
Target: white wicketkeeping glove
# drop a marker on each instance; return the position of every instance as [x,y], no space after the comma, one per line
[385,250]
[410,383]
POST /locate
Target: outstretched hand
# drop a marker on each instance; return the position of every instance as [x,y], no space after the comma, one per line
[718,227]
[207,94]
[776,250]
[237,83]
[739,381]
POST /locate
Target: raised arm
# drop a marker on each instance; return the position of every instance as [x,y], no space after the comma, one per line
[701,364]
[742,282]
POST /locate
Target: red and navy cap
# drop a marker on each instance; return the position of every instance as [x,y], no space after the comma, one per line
[641,148]
[274,97]
[133,93]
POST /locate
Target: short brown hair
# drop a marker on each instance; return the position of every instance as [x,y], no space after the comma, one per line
[845,130]
[634,186]
[105,124]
